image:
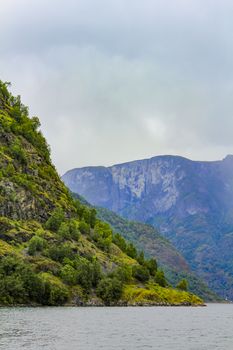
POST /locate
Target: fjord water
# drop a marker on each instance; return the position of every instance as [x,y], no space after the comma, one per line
[166,328]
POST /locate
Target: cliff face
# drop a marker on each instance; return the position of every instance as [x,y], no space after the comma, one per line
[190,202]
[161,184]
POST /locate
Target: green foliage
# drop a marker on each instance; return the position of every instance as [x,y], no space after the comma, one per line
[151,265]
[131,251]
[88,274]
[81,271]
[120,242]
[21,124]
[18,152]
[109,290]
[69,274]
[59,252]
[55,292]
[36,244]
[74,229]
[18,282]
[55,220]
[182,285]
[160,278]
[123,273]
[84,228]
[157,295]
[69,230]
[141,273]
[89,216]
[103,235]
[140,258]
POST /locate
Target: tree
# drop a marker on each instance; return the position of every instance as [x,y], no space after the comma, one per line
[141,273]
[182,285]
[60,252]
[55,220]
[160,278]
[36,244]
[120,241]
[84,228]
[69,230]
[69,274]
[109,290]
[151,265]
[131,251]
[141,258]
[74,229]
[123,273]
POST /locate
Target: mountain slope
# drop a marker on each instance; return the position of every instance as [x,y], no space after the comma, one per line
[53,250]
[190,202]
[148,239]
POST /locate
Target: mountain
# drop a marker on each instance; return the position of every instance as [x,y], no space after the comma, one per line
[190,202]
[146,238]
[53,249]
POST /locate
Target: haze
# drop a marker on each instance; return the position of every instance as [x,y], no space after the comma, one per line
[114,81]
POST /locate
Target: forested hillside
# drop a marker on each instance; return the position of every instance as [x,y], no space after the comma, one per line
[54,250]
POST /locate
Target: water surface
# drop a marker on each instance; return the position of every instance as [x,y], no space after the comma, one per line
[164,328]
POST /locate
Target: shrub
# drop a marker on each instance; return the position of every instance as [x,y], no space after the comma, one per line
[160,278]
[84,228]
[64,231]
[88,274]
[55,220]
[120,242]
[68,274]
[109,290]
[141,258]
[182,285]
[19,283]
[74,229]
[36,244]
[131,251]
[151,265]
[18,153]
[103,235]
[123,273]
[60,252]
[55,292]
[141,273]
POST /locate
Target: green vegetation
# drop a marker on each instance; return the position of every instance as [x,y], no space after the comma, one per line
[110,290]
[183,285]
[147,238]
[53,249]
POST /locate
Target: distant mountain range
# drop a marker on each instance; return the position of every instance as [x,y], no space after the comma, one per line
[190,202]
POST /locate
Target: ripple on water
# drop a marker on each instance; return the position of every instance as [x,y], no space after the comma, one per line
[209,328]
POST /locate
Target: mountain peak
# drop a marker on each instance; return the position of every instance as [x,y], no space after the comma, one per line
[229,157]
[191,202]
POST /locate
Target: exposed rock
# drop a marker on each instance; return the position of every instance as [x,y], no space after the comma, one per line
[190,202]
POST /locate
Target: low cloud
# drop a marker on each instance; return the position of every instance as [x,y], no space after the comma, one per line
[117,81]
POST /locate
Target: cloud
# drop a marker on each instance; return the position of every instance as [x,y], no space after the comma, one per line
[116,81]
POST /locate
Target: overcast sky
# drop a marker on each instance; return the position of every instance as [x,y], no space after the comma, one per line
[114,81]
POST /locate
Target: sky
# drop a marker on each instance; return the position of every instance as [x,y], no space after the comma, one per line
[114,81]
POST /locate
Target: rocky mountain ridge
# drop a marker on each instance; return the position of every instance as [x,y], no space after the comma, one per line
[190,202]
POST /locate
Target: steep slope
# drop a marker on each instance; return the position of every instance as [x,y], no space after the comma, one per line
[190,202]
[53,250]
[148,239]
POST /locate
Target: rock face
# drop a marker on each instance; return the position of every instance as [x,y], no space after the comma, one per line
[190,202]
